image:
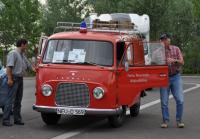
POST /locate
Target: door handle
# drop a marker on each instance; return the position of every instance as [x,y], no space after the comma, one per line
[163,75]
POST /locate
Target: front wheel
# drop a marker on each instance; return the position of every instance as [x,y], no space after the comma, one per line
[50,118]
[135,109]
[117,120]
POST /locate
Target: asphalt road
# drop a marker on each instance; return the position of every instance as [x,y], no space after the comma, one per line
[145,126]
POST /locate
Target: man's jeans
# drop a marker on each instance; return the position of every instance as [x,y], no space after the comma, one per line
[175,86]
[14,99]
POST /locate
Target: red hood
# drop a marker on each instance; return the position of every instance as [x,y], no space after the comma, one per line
[76,73]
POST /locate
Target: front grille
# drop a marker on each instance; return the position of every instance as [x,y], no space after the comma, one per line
[71,94]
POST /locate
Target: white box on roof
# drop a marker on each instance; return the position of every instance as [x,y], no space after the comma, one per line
[141,22]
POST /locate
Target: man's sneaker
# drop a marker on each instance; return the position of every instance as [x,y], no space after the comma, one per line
[19,123]
[6,124]
[180,124]
[164,125]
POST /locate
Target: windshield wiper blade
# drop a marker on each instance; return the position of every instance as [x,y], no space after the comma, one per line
[68,61]
[82,63]
[90,63]
[62,61]
[65,61]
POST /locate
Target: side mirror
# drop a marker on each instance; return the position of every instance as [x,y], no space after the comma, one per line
[126,65]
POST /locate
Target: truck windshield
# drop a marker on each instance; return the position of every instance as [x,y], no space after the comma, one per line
[79,52]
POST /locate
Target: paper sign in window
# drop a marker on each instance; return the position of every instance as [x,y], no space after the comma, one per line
[77,55]
[58,57]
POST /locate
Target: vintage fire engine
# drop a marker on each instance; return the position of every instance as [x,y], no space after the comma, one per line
[97,68]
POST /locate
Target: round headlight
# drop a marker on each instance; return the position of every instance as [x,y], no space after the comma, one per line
[98,93]
[46,90]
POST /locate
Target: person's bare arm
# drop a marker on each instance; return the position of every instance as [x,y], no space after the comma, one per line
[180,60]
[30,66]
[10,77]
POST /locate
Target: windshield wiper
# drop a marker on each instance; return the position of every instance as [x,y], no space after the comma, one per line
[66,61]
[90,63]
[62,61]
[82,63]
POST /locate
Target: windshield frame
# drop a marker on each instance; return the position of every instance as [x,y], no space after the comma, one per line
[58,39]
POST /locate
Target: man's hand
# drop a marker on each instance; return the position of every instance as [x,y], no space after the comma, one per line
[33,68]
[10,82]
[10,77]
[171,60]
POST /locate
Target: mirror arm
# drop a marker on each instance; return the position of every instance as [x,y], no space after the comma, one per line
[126,66]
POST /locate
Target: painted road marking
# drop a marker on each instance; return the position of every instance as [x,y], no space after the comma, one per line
[158,101]
[67,135]
[147,105]
[190,76]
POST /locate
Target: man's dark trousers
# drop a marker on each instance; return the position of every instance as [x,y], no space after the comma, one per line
[14,99]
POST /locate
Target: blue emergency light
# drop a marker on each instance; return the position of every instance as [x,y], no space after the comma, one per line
[83,27]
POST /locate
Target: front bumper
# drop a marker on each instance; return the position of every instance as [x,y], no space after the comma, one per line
[89,111]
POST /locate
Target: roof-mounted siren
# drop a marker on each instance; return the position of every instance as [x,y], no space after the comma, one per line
[142,24]
[83,27]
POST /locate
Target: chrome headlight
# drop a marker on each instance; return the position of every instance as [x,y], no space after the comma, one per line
[98,93]
[46,90]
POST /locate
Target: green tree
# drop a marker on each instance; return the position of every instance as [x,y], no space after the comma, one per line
[180,22]
[192,52]
[63,11]
[19,19]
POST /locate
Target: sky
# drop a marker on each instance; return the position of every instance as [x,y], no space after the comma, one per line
[42,1]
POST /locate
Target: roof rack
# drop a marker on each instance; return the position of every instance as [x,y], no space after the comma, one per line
[121,28]
[66,26]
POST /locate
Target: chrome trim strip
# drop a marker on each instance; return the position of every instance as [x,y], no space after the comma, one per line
[89,111]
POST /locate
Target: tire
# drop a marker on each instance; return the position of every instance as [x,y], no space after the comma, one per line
[135,109]
[117,120]
[50,118]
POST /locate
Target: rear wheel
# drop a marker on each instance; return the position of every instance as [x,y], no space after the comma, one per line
[135,109]
[50,118]
[117,120]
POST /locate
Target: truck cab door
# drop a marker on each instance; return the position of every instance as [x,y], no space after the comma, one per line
[134,76]
[42,42]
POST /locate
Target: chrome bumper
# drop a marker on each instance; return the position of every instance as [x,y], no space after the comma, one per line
[89,111]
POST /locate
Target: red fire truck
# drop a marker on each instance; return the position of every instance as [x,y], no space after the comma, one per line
[96,69]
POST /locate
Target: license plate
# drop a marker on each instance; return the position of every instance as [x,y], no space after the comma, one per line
[70,111]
